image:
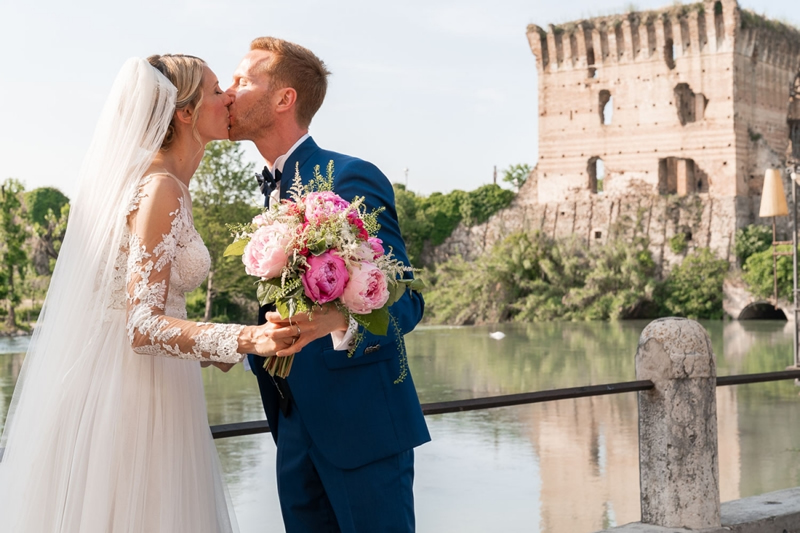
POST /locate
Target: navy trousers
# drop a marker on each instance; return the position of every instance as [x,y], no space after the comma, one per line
[317,497]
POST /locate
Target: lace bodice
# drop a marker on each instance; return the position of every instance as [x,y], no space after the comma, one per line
[163,260]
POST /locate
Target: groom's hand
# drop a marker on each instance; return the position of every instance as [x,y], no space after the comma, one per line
[323,321]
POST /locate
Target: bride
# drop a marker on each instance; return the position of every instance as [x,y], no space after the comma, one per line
[107,430]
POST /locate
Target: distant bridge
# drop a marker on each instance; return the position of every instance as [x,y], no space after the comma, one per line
[740,304]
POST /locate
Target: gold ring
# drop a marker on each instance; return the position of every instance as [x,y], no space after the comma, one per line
[298,330]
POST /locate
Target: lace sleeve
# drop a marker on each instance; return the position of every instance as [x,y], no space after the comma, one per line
[157,223]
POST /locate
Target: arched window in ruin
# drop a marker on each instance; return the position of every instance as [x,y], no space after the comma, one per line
[606,107]
[669,53]
[678,176]
[719,23]
[691,107]
[597,173]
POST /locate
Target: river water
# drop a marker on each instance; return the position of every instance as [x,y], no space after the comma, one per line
[561,466]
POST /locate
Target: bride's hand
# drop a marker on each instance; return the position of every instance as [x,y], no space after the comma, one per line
[222,366]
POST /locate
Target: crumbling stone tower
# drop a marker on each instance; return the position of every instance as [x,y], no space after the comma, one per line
[656,124]
[689,99]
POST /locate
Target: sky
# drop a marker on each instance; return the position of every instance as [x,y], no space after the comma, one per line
[437,93]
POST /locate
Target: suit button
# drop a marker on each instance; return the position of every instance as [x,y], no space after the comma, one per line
[372,349]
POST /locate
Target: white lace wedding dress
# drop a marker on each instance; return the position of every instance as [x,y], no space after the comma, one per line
[123,443]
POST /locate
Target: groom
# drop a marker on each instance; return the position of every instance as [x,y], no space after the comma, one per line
[345,430]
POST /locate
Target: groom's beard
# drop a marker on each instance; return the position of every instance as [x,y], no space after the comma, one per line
[252,122]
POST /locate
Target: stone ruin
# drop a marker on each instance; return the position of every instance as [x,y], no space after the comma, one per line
[654,123]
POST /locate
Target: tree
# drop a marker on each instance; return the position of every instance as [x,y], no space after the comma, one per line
[13,233]
[223,192]
[39,202]
[431,219]
[48,211]
[517,175]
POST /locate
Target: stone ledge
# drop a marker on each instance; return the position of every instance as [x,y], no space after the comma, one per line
[774,512]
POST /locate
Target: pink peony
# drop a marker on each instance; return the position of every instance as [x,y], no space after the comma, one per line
[370,250]
[260,220]
[367,289]
[326,277]
[320,206]
[265,254]
[377,246]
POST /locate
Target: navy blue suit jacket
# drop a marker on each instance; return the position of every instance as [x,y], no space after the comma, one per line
[353,410]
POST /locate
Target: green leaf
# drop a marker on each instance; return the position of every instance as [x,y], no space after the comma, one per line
[283,308]
[376,322]
[317,248]
[236,248]
[264,292]
[418,285]
[396,291]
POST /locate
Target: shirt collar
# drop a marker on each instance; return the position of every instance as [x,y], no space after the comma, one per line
[280,161]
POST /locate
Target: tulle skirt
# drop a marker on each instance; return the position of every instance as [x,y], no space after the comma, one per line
[119,443]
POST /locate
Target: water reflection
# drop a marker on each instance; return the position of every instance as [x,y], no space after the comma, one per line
[561,466]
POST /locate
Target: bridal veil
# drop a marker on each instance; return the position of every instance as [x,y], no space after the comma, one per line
[79,420]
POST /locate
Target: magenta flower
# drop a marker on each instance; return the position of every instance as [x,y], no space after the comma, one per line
[367,289]
[326,277]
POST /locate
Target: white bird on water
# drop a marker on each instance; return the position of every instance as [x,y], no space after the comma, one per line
[497,335]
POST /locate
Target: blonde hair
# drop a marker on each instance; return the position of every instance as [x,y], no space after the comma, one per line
[186,74]
[296,67]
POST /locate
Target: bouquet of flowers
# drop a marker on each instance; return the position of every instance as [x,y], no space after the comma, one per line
[317,248]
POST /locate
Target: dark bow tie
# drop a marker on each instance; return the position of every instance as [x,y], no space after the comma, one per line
[267,182]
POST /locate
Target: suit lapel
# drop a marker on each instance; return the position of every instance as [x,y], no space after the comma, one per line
[299,157]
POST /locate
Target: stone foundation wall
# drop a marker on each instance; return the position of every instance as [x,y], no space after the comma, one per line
[710,222]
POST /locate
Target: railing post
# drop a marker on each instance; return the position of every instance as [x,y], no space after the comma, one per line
[678,461]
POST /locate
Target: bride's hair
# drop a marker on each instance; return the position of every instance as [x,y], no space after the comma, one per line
[186,74]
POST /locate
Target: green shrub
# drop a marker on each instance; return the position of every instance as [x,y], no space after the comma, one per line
[535,278]
[677,243]
[620,280]
[750,240]
[759,275]
[694,288]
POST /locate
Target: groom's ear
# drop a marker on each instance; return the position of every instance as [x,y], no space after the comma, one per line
[287,98]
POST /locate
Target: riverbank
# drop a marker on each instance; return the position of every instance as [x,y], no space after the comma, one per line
[15,333]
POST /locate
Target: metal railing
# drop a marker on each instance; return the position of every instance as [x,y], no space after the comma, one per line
[240,429]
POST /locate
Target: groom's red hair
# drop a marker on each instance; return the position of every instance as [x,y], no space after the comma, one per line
[296,67]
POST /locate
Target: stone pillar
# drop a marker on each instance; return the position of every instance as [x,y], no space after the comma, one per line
[678,463]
